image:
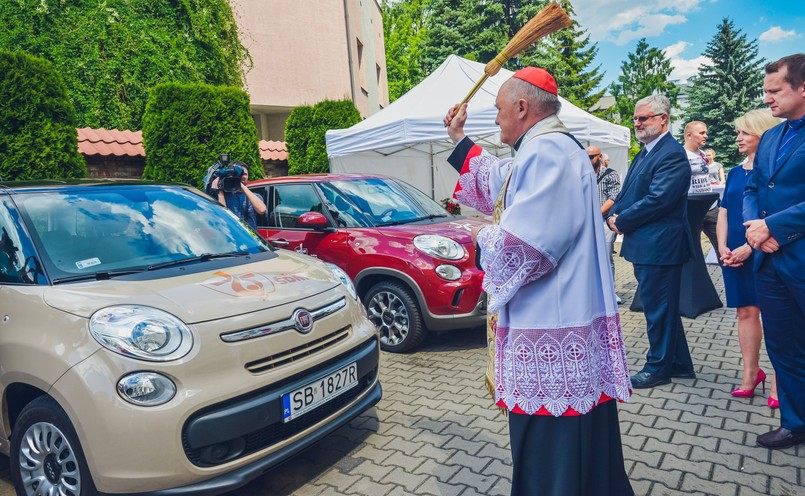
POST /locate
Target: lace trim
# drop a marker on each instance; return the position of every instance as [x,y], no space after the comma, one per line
[474,184]
[510,263]
[561,368]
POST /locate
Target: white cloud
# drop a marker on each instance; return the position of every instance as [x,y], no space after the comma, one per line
[776,33]
[683,68]
[621,21]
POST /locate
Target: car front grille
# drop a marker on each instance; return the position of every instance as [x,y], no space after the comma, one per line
[225,421]
[309,348]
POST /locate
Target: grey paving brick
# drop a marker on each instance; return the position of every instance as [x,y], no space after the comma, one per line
[756,482]
[399,477]
[467,460]
[472,479]
[668,478]
[693,484]
[436,487]
[439,470]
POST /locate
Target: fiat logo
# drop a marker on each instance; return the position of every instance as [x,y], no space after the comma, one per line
[303,321]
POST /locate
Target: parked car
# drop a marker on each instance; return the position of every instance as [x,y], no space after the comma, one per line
[412,263]
[152,344]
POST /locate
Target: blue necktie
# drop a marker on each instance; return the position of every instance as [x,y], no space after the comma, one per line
[788,139]
[640,156]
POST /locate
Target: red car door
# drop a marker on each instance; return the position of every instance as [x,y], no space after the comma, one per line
[285,203]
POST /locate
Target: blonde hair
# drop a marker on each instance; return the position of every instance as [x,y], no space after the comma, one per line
[756,122]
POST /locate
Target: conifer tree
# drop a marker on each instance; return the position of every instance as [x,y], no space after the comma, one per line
[566,55]
[725,88]
[474,29]
[645,72]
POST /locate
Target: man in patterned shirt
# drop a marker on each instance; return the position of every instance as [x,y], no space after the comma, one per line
[609,185]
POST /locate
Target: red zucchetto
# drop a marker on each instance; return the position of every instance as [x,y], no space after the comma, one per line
[538,77]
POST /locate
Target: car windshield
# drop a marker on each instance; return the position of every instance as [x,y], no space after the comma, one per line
[114,229]
[388,201]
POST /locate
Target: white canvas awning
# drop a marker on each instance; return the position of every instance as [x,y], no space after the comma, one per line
[407,139]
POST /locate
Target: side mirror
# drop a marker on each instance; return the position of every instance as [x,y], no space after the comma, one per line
[312,220]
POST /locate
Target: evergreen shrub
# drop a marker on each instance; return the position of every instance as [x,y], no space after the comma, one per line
[309,137]
[187,126]
[38,137]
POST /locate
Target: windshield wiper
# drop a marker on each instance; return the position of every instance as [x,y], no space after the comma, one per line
[97,276]
[204,257]
[408,221]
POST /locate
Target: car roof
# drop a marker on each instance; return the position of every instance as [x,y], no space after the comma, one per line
[11,187]
[317,178]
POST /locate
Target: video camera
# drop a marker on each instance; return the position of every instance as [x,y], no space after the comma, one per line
[229,175]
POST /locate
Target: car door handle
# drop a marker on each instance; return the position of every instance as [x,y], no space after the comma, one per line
[279,242]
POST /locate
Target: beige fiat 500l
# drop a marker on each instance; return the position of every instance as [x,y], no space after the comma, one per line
[151,344]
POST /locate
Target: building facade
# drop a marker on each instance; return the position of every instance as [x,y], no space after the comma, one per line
[306,51]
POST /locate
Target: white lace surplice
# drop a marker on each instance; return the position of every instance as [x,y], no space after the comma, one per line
[558,342]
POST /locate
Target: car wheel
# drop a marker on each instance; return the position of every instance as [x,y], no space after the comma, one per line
[46,457]
[394,311]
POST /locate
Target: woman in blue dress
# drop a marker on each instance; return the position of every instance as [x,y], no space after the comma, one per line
[737,258]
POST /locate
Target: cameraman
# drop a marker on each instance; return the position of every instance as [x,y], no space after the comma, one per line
[243,203]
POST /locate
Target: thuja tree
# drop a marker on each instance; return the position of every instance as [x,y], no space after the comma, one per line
[187,126]
[38,138]
[725,88]
[325,115]
[112,52]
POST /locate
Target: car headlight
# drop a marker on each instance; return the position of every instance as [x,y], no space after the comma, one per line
[440,247]
[146,388]
[141,332]
[344,278]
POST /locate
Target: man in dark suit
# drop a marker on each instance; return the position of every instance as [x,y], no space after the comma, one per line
[774,211]
[651,213]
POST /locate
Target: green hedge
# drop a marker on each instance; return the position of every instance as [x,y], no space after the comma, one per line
[38,137]
[187,126]
[305,129]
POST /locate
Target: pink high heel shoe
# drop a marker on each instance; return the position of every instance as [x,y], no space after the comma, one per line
[774,403]
[748,393]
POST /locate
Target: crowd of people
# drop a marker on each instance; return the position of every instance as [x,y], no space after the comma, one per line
[556,356]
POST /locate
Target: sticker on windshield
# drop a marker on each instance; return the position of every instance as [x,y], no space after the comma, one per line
[83,264]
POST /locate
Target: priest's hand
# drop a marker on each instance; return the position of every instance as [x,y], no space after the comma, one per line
[454,122]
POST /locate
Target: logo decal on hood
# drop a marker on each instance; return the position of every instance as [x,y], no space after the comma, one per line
[461,226]
[249,284]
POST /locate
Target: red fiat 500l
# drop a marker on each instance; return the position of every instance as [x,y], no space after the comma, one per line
[412,263]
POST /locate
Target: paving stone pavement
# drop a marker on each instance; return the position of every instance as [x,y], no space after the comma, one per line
[434,433]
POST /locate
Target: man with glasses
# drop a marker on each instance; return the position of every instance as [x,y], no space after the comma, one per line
[609,185]
[651,213]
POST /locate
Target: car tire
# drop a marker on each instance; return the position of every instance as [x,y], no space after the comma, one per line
[45,451]
[394,311]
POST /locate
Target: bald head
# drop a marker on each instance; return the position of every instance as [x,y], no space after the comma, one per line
[595,155]
[695,135]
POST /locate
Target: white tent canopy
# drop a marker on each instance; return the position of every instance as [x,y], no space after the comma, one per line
[407,139]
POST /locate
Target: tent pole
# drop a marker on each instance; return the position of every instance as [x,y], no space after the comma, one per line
[432,173]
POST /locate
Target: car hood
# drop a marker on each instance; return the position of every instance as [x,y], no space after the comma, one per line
[204,296]
[459,229]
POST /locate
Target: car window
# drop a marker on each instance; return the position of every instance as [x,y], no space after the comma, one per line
[261,191]
[90,230]
[345,212]
[386,201]
[18,261]
[289,201]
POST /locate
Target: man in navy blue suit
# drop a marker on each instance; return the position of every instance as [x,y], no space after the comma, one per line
[651,213]
[774,211]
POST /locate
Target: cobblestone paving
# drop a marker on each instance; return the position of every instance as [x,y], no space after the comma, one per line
[433,433]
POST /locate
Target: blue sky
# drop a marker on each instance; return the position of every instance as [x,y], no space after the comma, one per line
[682,28]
